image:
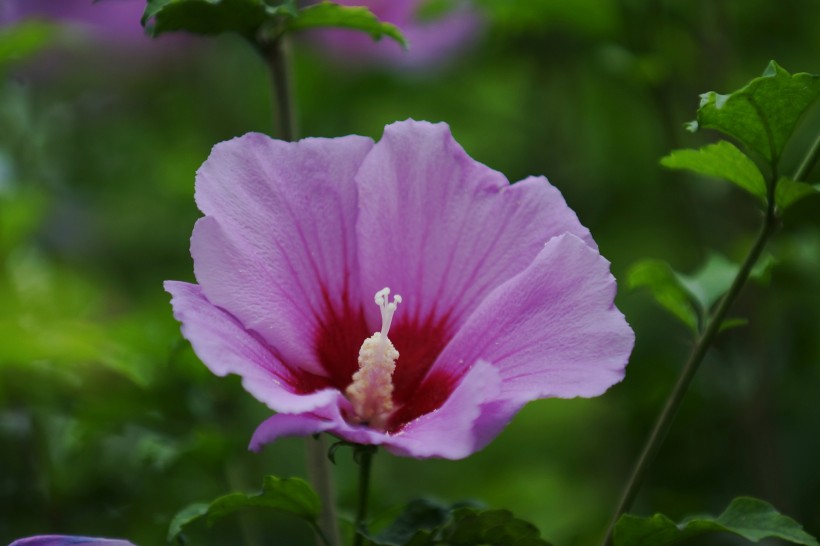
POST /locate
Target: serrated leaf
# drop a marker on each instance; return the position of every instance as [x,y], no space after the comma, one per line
[749,518]
[210,16]
[327,14]
[666,288]
[722,160]
[491,527]
[789,192]
[418,519]
[290,495]
[763,114]
[424,523]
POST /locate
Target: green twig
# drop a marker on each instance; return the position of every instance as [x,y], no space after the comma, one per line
[704,341]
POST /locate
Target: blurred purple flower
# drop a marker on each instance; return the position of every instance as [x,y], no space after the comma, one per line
[116,20]
[62,540]
[505,296]
[430,41]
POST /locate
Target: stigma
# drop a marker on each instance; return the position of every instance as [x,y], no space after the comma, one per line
[371,392]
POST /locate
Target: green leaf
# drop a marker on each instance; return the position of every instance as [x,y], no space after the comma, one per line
[731,323]
[789,192]
[210,16]
[666,288]
[418,519]
[24,40]
[327,14]
[290,495]
[714,278]
[763,114]
[749,518]
[491,527]
[248,17]
[722,160]
[425,523]
[688,297]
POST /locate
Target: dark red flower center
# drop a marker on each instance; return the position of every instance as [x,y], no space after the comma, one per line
[419,341]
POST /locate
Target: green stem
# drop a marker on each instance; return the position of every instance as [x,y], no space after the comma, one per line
[276,54]
[318,469]
[364,456]
[673,402]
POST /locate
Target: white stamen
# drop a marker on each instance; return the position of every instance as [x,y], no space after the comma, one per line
[371,392]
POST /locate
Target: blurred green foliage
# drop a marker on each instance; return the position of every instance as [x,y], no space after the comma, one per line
[108,423]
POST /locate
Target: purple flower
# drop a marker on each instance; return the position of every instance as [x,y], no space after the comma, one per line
[504,296]
[115,20]
[62,540]
[430,41]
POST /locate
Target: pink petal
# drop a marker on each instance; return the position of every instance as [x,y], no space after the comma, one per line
[444,231]
[326,419]
[283,424]
[277,247]
[552,331]
[221,342]
[452,431]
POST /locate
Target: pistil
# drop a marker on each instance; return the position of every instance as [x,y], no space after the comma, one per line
[371,392]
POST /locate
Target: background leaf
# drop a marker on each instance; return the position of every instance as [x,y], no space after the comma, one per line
[209,16]
[789,192]
[247,17]
[722,160]
[666,288]
[327,14]
[750,518]
[762,114]
[426,523]
[24,40]
[290,495]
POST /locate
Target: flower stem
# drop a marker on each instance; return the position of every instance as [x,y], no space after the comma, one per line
[318,469]
[364,456]
[276,54]
[702,344]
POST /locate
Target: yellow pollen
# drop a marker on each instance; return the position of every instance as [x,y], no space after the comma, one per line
[371,392]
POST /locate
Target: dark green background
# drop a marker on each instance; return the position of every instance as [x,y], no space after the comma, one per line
[109,424]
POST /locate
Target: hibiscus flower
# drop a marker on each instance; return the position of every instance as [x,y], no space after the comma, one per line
[501,294]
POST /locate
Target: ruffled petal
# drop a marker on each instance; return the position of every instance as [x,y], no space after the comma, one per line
[284,424]
[277,247]
[65,540]
[329,418]
[452,432]
[442,229]
[225,346]
[552,331]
